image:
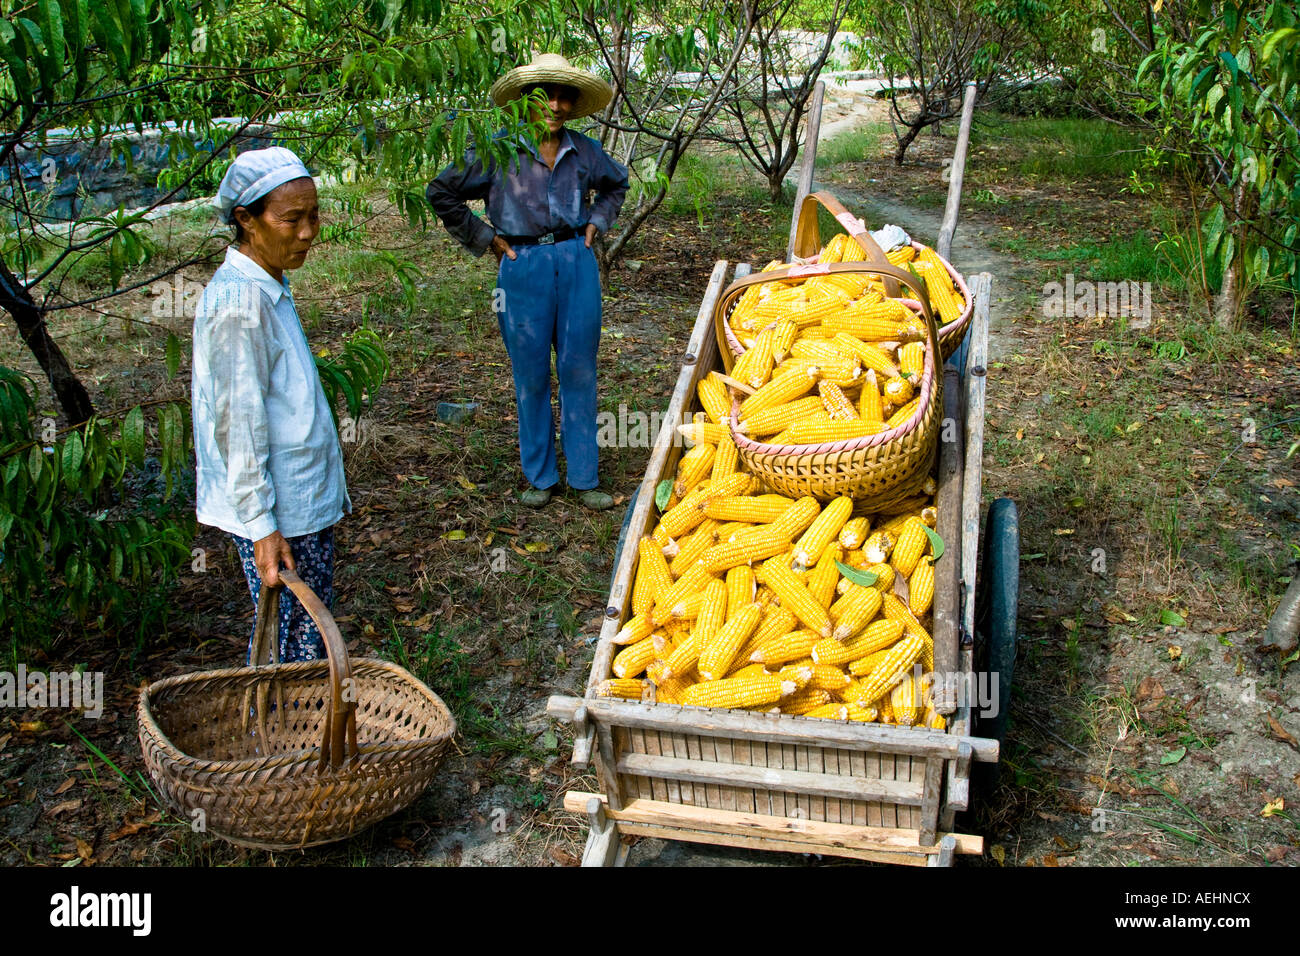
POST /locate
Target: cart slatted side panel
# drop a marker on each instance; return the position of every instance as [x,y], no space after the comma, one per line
[768,781]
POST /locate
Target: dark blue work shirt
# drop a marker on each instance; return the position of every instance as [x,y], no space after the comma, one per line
[530,198]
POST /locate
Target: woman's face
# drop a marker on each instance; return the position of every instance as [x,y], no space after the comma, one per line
[560,101]
[279,238]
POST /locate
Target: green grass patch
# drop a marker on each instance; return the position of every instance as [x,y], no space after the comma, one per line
[1069,149]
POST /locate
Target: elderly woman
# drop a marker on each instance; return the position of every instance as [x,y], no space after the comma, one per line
[270,470]
[541,233]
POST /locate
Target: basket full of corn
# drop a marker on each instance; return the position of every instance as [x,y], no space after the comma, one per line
[837,389]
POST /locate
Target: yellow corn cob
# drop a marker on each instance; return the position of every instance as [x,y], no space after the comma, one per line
[725,459]
[777,621]
[786,647]
[686,514]
[870,406]
[783,337]
[749,546]
[737,692]
[818,351]
[902,701]
[895,666]
[632,660]
[823,530]
[896,610]
[714,399]
[784,388]
[825,576]
[728,531]
[878,547]
[760,367]
[899,391]
[746,670]
[702,433]
[801,514]
[837,404]
[877,636]
[833,251]
[740,588]
[720,651]
[687,609]
[938,282]
[693,468]
[830,712]
[802,701]
[853,611]
[900,255]
[828,677]
[624,688]
[749,508]
[652,566]
[920,588]
[912,543]
[795,596]
[852,285]
[692,581]
[845,374]
[637,628]
[871,356]
[930,515]
[683,656]
[903,414]
[809,432]
[854,532]
[886,710]
[713,614]
[911,359]
[692,547]
[772,420]
[858,712]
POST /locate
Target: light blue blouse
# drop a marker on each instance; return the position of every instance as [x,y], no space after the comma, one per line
[267,451]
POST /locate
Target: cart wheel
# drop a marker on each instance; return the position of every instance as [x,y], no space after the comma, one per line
[622,535]
[998,605]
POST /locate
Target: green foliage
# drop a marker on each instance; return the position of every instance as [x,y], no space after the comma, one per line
[83,528]
[1229,94]
[355,374]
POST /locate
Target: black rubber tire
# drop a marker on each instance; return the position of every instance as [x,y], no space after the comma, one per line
[998,606]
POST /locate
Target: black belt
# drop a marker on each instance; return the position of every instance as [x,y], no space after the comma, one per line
[559,235]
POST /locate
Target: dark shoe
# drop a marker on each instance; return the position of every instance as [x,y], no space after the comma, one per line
[535,497]
[597,500]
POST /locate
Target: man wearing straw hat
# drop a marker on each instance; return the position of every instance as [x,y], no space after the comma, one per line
[542,228]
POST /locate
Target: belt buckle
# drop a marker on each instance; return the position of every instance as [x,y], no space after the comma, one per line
[546,240]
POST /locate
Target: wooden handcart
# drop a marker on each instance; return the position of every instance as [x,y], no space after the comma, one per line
[779,782]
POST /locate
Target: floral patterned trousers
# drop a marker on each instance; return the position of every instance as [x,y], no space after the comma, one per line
[300,640]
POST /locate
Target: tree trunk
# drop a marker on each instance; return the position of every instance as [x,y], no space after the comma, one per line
[1230,302]
[71,394]
[905,141]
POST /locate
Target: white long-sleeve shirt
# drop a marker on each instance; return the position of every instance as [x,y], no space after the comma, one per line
[267,451]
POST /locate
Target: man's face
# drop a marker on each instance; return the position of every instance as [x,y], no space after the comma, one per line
[560,102]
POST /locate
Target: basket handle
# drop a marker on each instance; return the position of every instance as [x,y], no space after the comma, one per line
[808,243]
[339,740]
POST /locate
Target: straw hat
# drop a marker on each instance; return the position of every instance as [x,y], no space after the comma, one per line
[593,92]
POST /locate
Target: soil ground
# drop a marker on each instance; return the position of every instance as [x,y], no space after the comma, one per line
[1155,540]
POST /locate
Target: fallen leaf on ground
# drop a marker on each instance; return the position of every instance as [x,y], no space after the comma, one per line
[132,828]
[1281,734]
[84,850]
[65,786]
[1150,691]
[537,546]
[63,807]
[1175,651]
[456,535]
[1115,614]
[564,857]
[1272,807]
[466,483]
[999,853]
[404,843]
[1276,853]
[31,726]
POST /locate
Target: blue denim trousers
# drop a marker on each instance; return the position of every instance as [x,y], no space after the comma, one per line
[551,300]
[313,555]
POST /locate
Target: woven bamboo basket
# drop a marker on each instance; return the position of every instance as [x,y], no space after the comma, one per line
[885,468]
[808,244]
[286,756]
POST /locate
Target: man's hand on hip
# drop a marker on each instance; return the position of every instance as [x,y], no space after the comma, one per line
[501,248]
